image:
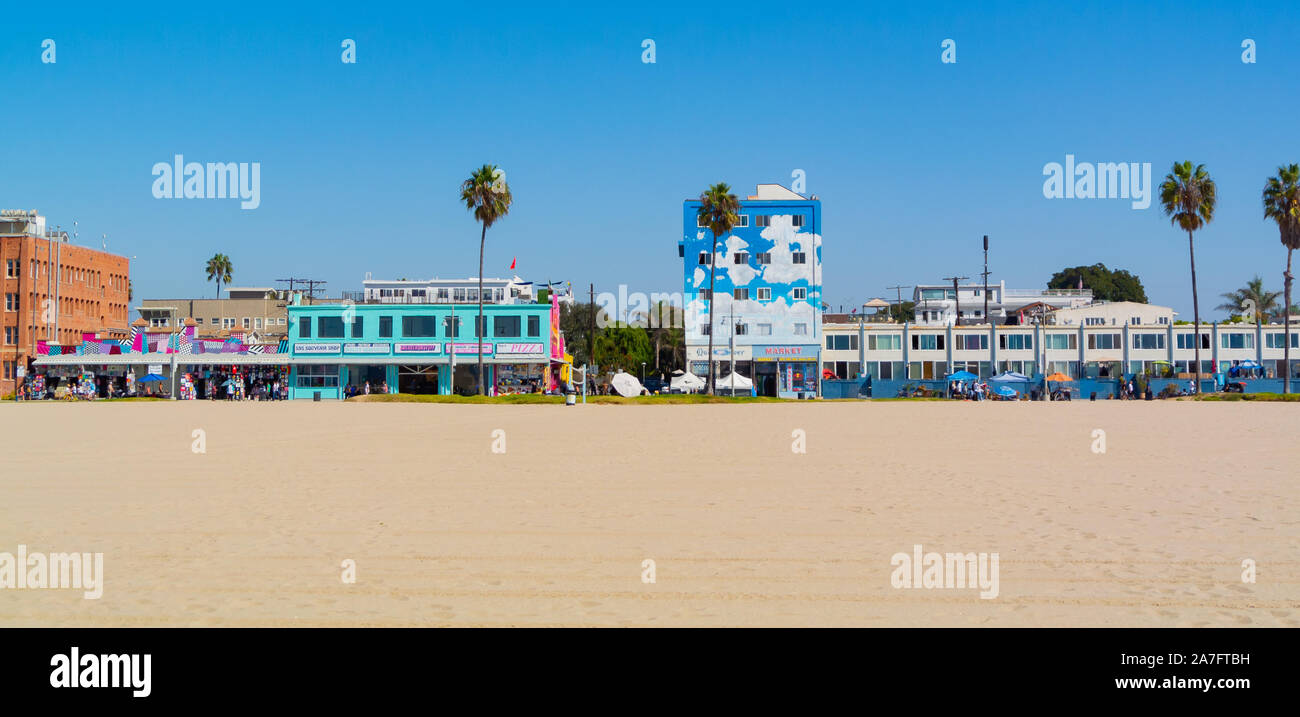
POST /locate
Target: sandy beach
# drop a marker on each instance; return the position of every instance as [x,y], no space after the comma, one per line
[742,530]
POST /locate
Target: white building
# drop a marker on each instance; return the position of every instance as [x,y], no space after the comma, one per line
[939,305]
[1111,313]
[454,291]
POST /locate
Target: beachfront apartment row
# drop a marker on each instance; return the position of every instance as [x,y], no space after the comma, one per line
[913,352]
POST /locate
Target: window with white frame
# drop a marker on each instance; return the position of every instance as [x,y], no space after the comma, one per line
[799,293]
[763,293]
[740,294]
[800,329]
[763,329]
[765,257]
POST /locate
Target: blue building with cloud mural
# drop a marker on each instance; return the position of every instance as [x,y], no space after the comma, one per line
[765,312]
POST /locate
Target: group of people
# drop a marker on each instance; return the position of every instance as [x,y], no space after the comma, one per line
[961,391]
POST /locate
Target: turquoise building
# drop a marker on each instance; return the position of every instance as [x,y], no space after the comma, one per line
[411,348]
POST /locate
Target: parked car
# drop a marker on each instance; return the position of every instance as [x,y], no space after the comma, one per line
[656,385]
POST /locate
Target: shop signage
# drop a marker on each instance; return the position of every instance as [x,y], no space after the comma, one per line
[700,353]
[533,349]
[785,353]
[377,348]
[316,348]
[485,349]
[155,368]
[418,348]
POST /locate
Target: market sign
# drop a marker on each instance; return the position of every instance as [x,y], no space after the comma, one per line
[418,348]
[485,349]
[316,348]
[155,368]
[785,353]
[376,348]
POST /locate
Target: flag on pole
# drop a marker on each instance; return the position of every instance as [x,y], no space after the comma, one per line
[512,263]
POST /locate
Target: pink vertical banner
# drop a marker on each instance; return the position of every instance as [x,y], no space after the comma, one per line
[557,347]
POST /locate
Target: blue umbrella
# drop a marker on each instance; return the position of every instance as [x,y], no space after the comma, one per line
[961,376]
[150,378]
[1006,391]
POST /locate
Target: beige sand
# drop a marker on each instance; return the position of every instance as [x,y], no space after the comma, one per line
[743,530]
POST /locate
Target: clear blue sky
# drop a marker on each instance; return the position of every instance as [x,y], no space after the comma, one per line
[913,159]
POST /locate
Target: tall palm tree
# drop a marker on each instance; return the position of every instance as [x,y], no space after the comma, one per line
[718,208]
[1252,294]
[220,270]
[1188,196]
[487,194]
[1282,205]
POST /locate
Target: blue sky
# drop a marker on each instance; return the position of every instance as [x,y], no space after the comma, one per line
[914,160]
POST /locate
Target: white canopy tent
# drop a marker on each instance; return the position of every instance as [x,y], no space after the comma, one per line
[687,383]
[733,382]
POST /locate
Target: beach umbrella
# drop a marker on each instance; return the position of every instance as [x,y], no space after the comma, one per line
[1006,391]
[227,383]
[150,378]
[961,376]
[1010,376]
[1248,364]
[626,384]
[1058,376]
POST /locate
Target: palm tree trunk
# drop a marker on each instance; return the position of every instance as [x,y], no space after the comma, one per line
[1196,313]
[478,330]
[1286,325]
[713,267]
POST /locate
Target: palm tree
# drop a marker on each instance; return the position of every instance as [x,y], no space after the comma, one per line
[1188,197]
[221,270]
[1282,205]
[718,207]
[1252,294]
[665,331]
[488,196]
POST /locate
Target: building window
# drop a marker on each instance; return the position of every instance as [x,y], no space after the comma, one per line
[741,257]
[458,294]
[329,327]
[764,330]
[257,322]
[1105,341]
[885,342]
[442,294]
[1015,342]
[1237,341]
[229,323]
[706,329]
[11,334]
[318,376]
[11,302]
[279,321]
[418,293]
[927,342]
[198,321]
[699,222]
[971,341]
[799,257]
[765,257]
[451,326]
[706,294]
[800,329]
[740,294]
[798,220]
[1278,341]
[385,327]
[1185,341]
[11,269]
[245,322]
[358,327]
[1148,341]
[419,327]
[9,369]
[304,327]
[799,294]
[741,329]
[479,324]
[506,327]
[742,220]
[704,258]
[216,321]
[1061,341]
[534,326]
[763,294]
[763,220]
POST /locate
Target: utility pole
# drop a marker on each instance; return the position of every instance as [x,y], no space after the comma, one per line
[591,335]
[986,280]
[956,297]
[899,289]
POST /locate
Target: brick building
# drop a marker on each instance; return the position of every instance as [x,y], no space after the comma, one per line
[54,291]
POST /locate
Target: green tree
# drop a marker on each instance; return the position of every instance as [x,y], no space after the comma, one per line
[1282,205]
[664,325]
[487,194]
[577,321]
[1189,196]
[1106,284]
[623,347]
[220,270]
[718,213]
[903,312]
[1250,298]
